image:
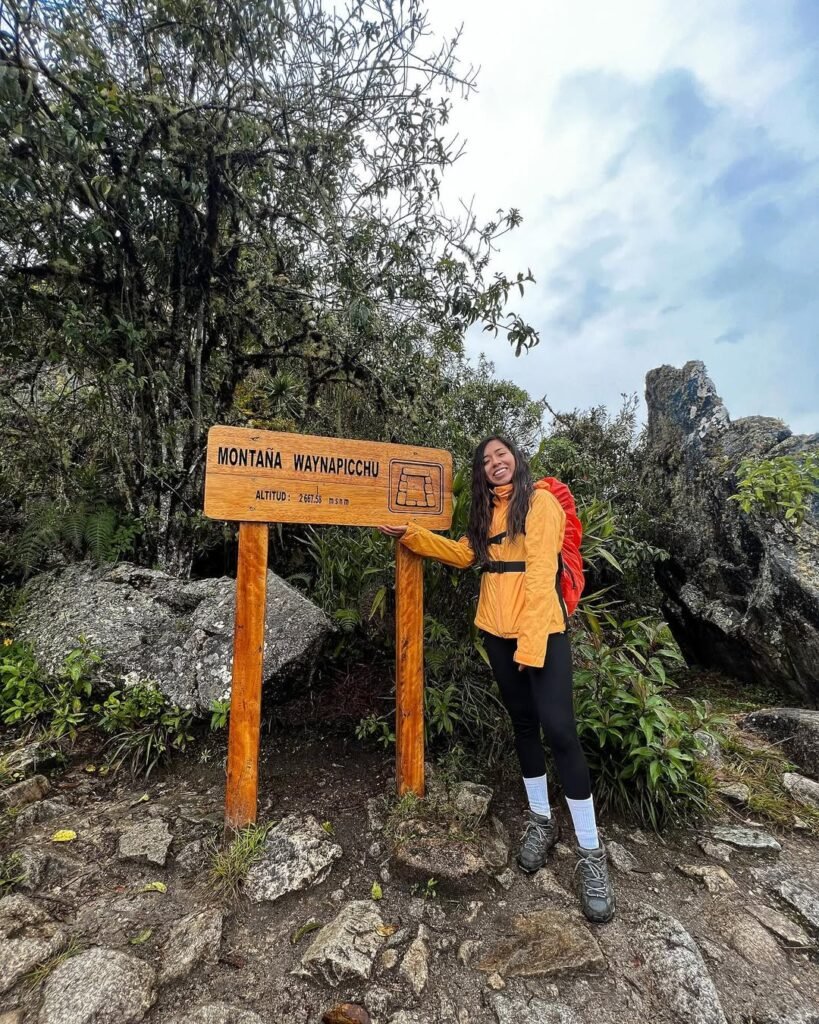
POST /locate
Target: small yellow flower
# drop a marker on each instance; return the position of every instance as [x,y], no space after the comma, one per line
[7,642]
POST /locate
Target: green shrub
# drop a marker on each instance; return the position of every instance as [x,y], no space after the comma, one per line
[70,707]
[641,747]
[145,727]
[23,692]
[783,486]
[378,728]
[219,714]
[30,697]
[352,572]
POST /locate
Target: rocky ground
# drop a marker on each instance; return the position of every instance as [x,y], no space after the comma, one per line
[121,923]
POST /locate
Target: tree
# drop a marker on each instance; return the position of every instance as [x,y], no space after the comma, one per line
[192,193]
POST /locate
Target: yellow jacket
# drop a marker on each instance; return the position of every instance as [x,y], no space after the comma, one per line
[523,605]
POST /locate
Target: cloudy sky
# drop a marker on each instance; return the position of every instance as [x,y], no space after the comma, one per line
[665,157]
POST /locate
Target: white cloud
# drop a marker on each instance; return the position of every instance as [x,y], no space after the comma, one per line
[664,158]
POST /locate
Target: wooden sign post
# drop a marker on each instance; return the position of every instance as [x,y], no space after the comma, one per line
[258,477]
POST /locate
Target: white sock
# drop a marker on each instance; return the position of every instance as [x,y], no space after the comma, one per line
[585,823]
[537,790]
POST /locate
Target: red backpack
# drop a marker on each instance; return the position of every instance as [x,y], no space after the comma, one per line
[572,579]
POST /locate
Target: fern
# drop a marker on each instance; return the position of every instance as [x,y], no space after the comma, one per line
[76,530]
[347,618]
[100,528]
[72,526]
[39,536]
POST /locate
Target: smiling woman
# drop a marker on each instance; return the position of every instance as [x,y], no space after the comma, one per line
[515,534]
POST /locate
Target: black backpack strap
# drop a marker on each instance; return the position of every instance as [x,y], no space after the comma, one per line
[497,538]
[504,567]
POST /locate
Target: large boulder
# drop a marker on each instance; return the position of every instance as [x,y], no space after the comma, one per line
[149,625]
[741,592]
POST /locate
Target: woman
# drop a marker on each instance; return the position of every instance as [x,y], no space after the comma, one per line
[515,534]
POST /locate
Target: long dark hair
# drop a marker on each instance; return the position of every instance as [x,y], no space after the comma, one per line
[480,510]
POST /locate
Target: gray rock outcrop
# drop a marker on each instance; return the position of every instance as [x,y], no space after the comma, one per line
[678,968]
[545,942]
[149,625]
[99,986]
[344,949]
[794,891]
[297,853]
[516,1010]
[28,936]
[218,1013]
[194,940]
[746,838]
[147,841]
[803,791]
[741,592]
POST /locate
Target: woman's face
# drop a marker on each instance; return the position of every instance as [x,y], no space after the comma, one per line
[498,463]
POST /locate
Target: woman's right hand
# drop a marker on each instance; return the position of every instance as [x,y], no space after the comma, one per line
[393,531]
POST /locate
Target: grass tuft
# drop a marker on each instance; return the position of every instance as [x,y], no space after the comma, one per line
[11,872]
[761,766]
[230,864]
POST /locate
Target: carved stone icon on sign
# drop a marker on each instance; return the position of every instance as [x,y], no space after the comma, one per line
[416,487]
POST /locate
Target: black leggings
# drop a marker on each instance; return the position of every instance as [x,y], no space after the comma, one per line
[542,698]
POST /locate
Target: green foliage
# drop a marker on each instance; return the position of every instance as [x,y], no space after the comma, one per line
[783,487]
[24,697]
[230,864]
[380,729]
[351,573]
[640,744]
[144,726]
[600,456]
[460,696]
[69,705]
[219,714]
[31,698]
[430,890]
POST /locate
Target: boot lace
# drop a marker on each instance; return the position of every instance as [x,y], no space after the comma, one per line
[536,835]
[594,876]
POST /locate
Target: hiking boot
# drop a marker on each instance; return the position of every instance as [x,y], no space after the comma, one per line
[539,837]
[596,892]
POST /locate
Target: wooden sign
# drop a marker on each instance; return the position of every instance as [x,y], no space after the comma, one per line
[259,477]
[269,477]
